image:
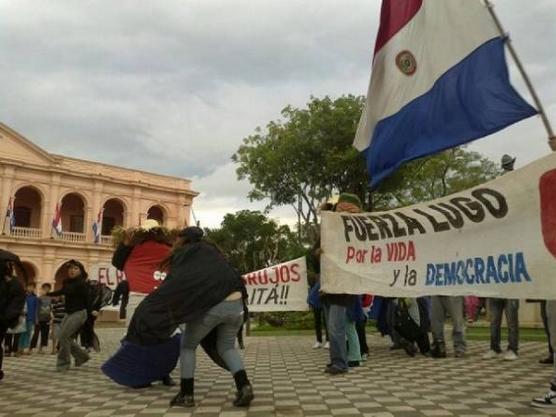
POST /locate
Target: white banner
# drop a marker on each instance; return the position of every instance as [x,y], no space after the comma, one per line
[494,240]
[282,287]
[106,274]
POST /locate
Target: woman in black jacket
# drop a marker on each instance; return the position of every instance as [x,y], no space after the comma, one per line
[12,299]
[76,293]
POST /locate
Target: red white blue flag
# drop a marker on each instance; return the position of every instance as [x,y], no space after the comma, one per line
[439,80]
[57,220]
[10,216]
[97,226]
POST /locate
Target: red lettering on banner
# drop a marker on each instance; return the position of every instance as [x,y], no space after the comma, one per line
[295,272]
[284,277]
[547,189]
[276,276]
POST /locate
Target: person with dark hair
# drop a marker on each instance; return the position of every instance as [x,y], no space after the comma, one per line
[44,314]
[12,300]
[76,294]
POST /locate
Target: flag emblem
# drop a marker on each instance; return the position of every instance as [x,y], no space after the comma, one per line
[406,63]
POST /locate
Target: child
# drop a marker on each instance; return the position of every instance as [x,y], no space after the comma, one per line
[32,302]
[44,316]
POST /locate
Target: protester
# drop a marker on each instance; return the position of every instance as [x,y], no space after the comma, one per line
[202,291]
[121,297]
[226,317]
[76,295]
[12,300]
[44,316]
[441,305]
[31,319]
[497,306]
[140,253]
[549,359]
[336,305]
[548,401]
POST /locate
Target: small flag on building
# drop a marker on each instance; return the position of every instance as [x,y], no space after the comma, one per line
[10,216]
[57,220]
[97,226]
[439,80]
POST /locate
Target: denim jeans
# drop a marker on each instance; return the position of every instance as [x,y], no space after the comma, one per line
[227,317]
[497,306]
[68,346]
[442,304]
[335,316]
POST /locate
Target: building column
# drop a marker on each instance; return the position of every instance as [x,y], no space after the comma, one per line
[136,208]
[5,193]
[50,205]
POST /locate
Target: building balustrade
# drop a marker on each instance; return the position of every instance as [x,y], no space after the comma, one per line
[26,232]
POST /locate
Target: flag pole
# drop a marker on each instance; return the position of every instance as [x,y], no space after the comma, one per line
[521,68]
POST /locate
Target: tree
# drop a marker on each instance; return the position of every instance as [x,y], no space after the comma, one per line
[433,177]
[306,157]
[252,241]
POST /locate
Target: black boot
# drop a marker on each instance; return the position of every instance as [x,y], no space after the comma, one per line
[438,350]
[167,381]
[184,398]
[244,394]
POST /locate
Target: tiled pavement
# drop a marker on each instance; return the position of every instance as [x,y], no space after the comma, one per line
[288,380]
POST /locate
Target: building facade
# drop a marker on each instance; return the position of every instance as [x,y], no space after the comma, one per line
[38,186]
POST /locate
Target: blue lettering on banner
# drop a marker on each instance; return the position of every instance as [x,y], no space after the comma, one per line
[493,269]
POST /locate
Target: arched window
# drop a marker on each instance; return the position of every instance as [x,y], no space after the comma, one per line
[73,213]
[27,208]
[156,213]
[112,216]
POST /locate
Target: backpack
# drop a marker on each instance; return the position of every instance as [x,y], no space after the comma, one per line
[45,308]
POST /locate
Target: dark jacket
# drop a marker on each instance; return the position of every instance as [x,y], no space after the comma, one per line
[200,278]
[76,295]
[12,300]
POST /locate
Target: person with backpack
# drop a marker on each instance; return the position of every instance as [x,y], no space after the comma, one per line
[44,316]
[12,300]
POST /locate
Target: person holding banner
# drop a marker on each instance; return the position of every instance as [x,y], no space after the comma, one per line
[497,306]
[336,305]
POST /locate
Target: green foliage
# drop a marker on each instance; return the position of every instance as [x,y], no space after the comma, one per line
[433,177]
[306,157]
[252,241]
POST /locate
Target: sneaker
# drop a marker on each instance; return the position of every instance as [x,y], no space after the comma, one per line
[546,401]
[491,354]
[317,345]
[510,355]
[327,345]
[334,370]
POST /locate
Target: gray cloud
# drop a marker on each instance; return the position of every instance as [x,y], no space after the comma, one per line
[174,86]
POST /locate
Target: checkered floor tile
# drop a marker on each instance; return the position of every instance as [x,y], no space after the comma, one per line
[288,378]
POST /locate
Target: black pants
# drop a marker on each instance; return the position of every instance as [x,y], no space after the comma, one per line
[87,332]
[362,336]
[11,342]
[545,325]
[41,329]
[123,307]
[319,321]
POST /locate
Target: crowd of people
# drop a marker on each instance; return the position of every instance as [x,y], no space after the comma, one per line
[181,292]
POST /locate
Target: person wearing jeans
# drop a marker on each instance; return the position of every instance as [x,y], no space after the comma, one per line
[76,293]
[497,306]
[440,306]
[227,317]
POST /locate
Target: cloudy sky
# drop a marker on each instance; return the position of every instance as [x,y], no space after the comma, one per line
[173,86]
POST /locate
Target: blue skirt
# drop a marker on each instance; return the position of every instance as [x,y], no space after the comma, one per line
[136,365]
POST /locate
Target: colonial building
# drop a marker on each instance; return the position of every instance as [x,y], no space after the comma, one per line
[36,185]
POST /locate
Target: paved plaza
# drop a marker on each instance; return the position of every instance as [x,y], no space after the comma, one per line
[288,378]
